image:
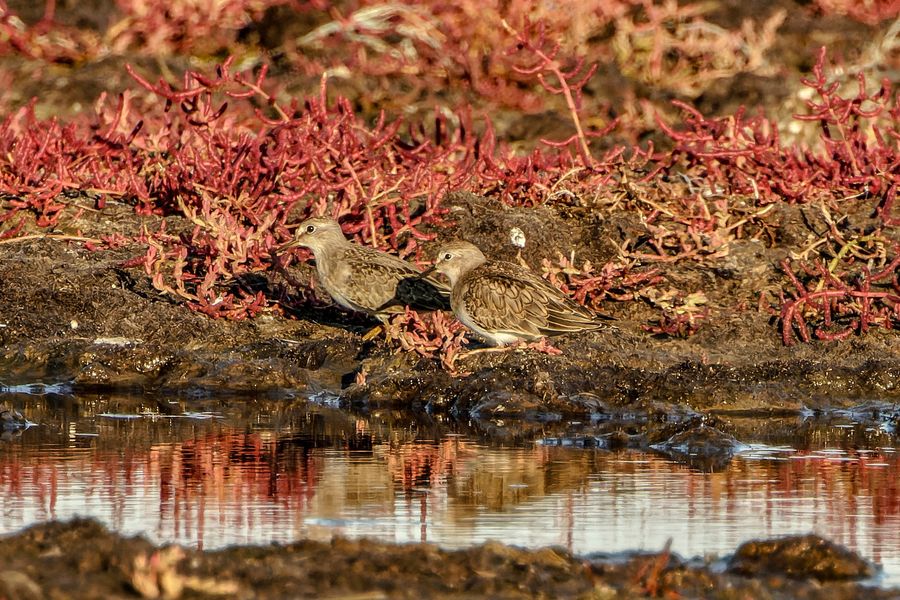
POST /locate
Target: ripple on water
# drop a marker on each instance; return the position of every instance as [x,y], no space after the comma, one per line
[214,472]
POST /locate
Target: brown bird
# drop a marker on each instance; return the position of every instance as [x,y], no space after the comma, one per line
[505,303]
[365,279]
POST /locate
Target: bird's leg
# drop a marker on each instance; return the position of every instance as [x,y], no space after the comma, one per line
[384,326]
[374,332]
[491,349]
[542,345]
[521,260]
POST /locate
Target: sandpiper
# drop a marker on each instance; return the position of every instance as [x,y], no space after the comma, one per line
[365,279]
[505,303]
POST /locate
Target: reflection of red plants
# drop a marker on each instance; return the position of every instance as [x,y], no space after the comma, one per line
[241,469]
[249,465]
[425,464]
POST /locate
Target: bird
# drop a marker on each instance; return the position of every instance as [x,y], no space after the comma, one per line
[505,303]
[364,279]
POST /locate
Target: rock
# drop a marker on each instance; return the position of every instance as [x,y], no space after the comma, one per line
[799,557]
[702,447]
[11,419]
[15,585]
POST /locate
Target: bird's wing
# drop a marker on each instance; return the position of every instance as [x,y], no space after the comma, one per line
[386,282]
[509,299]
[498,303]
[422,293]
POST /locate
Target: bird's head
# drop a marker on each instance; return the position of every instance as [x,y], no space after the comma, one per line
[455,259]
[318,234]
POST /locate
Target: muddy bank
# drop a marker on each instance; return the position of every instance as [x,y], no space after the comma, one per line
[89,320]
[85,317]
[81,559]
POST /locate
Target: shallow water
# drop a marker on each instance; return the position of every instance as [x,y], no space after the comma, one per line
[214,472]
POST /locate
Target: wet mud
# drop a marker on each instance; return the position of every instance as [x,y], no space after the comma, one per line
[83,317]
[81,559]
[87,320]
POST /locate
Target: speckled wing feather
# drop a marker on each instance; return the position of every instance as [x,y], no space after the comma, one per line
[377,282]
[501,297]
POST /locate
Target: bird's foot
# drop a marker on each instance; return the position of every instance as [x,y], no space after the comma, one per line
[374,333]
[542,345]
[489,349]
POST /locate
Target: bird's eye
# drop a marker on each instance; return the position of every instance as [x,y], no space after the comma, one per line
[310,228]
[448,256]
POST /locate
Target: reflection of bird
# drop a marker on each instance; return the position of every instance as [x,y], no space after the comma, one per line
[504,303]
[365,279]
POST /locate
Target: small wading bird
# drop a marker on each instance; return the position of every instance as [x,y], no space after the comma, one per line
[365,279]
[505,303]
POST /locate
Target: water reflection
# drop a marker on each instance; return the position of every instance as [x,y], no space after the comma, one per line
[217,472]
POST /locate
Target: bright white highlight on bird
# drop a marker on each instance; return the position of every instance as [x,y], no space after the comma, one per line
[517,237]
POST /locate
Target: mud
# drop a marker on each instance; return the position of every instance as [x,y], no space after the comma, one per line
[81,559]
[85,319]
[77,316]
[81,316]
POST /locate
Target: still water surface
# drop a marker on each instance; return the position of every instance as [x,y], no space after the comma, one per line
[218,472]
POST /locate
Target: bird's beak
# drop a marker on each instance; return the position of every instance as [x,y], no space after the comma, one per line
[427,272]
[288,245]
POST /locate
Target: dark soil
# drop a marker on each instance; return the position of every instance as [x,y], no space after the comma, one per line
[80,316]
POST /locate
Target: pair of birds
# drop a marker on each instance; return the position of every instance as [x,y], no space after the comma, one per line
[501,302]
